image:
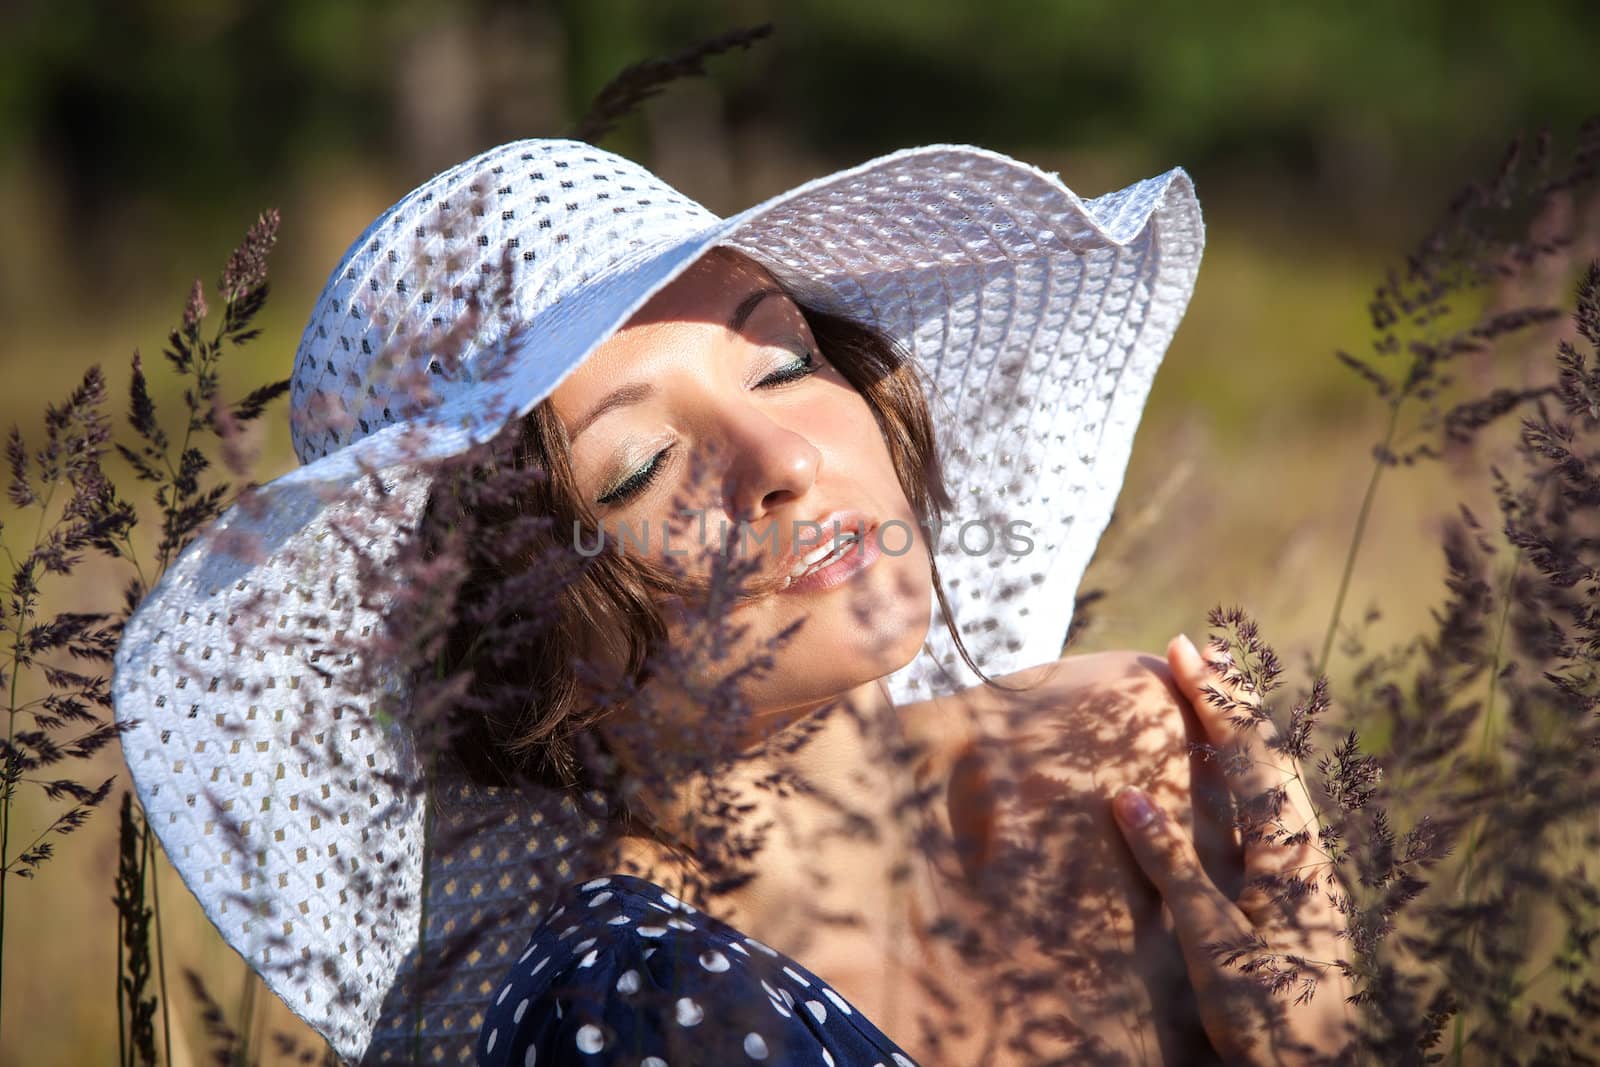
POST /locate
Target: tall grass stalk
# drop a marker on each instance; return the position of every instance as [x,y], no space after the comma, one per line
[1496,234]
[1414,314]
[1464,882]
[153,862]
[1357,536]
[246,1016]
[78,508]
[11,769]
[62,725]
[8,776]
[182,498]
[122,1008]
[135,1010]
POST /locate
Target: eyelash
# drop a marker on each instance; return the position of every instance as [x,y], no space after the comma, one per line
[804,366]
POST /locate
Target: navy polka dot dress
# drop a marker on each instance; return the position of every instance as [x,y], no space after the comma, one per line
[622,972]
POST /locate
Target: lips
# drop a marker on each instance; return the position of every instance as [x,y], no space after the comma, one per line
[822,543]
[824,554]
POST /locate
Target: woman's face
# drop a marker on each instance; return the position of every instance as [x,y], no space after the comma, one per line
[714,408]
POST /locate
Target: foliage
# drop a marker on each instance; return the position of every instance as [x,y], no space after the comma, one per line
[65,725]
[135,1011]
[1424,324]
[1494,953]
[1493,745]
[625,93]
[167,98]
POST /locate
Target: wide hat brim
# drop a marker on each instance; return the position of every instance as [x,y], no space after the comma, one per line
[1038,319]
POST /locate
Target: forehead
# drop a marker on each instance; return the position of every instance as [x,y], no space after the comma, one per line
[708,291]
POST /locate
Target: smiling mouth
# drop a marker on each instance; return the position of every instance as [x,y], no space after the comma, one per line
[823,556]
[834,561]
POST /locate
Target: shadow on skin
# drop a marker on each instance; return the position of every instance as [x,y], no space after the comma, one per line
[1045,942]
[1081,956]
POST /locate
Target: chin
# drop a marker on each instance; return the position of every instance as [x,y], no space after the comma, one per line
[906,645]
[846,638]
[838,654]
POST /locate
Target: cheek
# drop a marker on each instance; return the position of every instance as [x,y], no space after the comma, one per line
[906,586]
[684,534]
[848,434]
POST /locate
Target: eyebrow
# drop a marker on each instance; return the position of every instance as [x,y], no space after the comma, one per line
[638,391]
[620,398]
[747,307]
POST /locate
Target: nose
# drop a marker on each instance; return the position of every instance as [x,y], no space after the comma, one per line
[771,465]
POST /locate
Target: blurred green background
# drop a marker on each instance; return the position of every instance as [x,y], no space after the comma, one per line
[138,139]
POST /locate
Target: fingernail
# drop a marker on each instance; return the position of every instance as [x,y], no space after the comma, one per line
[1134,807]
[1188,645]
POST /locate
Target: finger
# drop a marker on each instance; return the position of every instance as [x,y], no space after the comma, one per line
[1274,800]
[1202,679]
[1234,1007]
[1201,914]
[1267,782]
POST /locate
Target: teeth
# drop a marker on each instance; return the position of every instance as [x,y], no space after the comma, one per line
[827,548]
[824,555]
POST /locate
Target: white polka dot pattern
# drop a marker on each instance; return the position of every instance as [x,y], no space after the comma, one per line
[667,1006]
[1038,318]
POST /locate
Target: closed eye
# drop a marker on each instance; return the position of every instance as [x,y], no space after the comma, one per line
[637,482]
[804,365]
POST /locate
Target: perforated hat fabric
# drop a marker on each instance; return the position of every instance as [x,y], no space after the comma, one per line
[1037,318]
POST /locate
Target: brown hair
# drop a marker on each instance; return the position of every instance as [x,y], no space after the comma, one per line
[527,715]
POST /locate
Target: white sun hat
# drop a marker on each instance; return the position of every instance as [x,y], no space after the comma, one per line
[1038,320]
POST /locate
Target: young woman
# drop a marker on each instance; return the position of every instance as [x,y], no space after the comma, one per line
[850,379]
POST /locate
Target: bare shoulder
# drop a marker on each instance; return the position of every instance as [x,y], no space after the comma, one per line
[1069,731]
[1061,738]
[1118,706]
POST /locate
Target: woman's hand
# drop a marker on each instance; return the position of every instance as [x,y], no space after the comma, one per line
[1252,960]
